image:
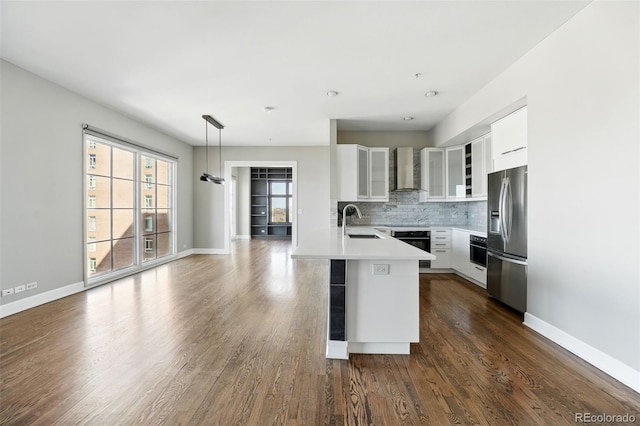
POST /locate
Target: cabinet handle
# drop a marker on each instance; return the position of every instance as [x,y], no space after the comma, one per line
[479,269]
[436,244]
[440,251]
[513,150]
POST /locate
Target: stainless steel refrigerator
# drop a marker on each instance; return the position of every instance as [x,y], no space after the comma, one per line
[507,237]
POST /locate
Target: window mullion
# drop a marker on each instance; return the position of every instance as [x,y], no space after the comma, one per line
[137,234]
[112,255]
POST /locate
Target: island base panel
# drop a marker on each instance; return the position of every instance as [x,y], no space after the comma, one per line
[337,349]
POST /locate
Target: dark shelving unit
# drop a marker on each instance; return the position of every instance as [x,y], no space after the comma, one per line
[260,225]
[467,168]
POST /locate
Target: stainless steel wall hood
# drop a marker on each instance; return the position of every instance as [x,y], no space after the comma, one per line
[403,160]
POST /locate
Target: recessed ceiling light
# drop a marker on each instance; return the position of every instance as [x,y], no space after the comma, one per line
[332,93]
[269,108]
[407,118]
[431,93]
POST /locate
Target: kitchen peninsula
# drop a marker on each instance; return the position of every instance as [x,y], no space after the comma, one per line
[373,290]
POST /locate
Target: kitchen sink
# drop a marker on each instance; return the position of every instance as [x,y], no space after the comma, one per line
[370,236]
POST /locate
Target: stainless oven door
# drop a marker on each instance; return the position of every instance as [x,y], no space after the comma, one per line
[478,255]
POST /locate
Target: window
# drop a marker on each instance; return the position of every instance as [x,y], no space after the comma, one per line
[129,184]
[280,201]
[92,244]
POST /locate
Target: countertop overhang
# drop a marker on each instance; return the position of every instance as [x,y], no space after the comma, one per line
[330,243]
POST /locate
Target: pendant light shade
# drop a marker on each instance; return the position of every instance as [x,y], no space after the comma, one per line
[206,177]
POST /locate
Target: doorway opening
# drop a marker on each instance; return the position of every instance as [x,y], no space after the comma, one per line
[279,217]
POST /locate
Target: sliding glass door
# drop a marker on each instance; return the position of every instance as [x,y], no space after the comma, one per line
[129,208]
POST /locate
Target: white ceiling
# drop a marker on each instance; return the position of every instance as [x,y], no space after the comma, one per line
[167,63]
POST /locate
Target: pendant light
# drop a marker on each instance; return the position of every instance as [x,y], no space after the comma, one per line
[206,177]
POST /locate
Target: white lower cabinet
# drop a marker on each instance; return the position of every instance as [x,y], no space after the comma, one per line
[461,260]
[460,250]
[441,248]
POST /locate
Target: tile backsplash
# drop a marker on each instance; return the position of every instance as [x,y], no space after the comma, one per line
[404,209]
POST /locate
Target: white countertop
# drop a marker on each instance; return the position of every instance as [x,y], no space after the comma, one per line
[472,229]
[330,243]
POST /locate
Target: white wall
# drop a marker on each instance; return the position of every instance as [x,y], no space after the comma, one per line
[42,175]
[312,196]
[582,89]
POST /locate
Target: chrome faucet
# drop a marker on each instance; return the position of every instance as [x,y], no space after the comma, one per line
[344,216]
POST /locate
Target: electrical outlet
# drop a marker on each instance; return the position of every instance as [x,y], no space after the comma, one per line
[7,292]
[32,285]
[21,288]
[380,269]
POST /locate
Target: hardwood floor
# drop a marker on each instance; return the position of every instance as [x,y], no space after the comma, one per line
[240,339]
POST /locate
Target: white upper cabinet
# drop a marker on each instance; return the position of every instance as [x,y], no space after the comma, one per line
[480,165]
[362,172]
[509,140]
[432,172]
[379,174]
[455,172]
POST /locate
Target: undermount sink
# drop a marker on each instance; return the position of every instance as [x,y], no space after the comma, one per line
[370,236]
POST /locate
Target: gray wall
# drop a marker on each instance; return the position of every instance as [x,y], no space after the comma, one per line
[243,201]
[42,175]
[386,139]
[312,185]
[581,85]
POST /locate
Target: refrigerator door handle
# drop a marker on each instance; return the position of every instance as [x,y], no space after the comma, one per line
[507,259]
[501,210]
[508,207]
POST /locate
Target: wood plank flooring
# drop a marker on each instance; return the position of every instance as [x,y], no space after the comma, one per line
[240,339]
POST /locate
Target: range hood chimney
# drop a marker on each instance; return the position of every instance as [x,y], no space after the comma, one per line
[404,169]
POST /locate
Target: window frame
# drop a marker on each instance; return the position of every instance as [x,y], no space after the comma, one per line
[287,196]
[138,229]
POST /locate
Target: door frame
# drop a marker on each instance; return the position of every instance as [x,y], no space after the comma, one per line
[229,165]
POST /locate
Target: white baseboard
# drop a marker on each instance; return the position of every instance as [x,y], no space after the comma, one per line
[185,253]
[40,299]
[58,293]
[209,251]
[242,237]
[616,369]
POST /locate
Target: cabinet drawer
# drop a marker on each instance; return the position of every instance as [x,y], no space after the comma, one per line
[443,258]
[436,244]
[478,273]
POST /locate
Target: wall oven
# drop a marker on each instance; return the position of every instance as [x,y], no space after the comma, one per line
[419,239]
[478,250]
